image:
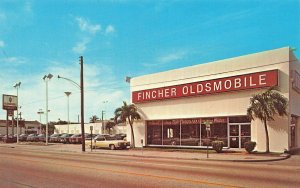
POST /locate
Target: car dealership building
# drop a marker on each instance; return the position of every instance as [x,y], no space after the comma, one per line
[188,106]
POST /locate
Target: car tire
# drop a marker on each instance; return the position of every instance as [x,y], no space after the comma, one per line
[112,147]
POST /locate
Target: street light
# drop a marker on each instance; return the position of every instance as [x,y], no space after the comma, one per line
[17,86]
[81,99]
[40,112]
[68,94]
[46,78]
[103,113]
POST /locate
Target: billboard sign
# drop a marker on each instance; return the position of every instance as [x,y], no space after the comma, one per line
[9,102]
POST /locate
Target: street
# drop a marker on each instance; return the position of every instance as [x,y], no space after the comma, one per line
[32,168]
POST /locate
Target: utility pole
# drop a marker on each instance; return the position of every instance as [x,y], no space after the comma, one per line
[82,104]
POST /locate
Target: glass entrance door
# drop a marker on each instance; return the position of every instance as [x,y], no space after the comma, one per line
[239,134]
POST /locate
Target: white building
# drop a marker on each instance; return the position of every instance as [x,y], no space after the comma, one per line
[97,128]
[175,104]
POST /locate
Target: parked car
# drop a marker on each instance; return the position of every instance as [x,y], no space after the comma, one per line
[121,136]
[108,141]
[77,139]
[40,138]
[54,138]
[31,137]
[23,137]
[9,138]
[65,138]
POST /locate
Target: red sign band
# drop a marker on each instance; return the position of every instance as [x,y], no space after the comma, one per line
[220,85]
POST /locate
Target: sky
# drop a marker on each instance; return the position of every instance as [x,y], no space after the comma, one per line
[119,38]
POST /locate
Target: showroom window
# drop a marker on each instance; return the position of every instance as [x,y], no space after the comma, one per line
[190,132]
[171,132]
[154,132]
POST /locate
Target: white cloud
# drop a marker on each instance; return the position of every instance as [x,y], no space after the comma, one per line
[165,59]
[14,60]
[109,29]
[2,44]
[172,57]
[81,46]
[84,25]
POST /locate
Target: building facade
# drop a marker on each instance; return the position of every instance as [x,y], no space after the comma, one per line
[187,107]
[25,127]
[97,128]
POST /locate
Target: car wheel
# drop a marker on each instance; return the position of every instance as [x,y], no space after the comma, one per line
[112,147]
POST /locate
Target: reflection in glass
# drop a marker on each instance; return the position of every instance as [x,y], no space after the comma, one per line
[171,132]
[154,133]
[190,135]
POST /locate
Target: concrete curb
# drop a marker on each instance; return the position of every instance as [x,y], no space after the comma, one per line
[203,159]
[266,159]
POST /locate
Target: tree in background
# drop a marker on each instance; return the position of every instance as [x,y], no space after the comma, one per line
[127,113]
[109,125]
[93,119]
[264,106]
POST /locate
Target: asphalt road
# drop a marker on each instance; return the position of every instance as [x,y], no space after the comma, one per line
[32,168]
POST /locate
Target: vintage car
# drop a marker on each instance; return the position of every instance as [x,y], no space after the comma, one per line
[108,141]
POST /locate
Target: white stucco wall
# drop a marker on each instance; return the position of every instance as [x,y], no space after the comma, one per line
[76,128]
[222,104]
[294,104]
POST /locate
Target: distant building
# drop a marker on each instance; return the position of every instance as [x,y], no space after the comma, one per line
[26,127]
[97,128]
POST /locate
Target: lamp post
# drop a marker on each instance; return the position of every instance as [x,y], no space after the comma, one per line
[81,99]
[103,114]
[17,86]
[40,112]
[68,94]
[46,78]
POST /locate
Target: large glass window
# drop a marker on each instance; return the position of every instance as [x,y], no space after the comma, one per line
[171,132]
[217,130]
[190,132]
[154,132]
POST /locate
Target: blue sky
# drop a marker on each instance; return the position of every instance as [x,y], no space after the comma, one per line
[120,38]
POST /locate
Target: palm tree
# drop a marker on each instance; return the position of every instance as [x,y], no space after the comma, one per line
[93,119]
[264,106]
[129,113]
[109,125]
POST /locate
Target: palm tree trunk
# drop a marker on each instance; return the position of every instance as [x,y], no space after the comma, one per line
[267,137]
[132,136]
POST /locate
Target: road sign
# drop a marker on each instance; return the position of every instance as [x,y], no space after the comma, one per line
[10,112]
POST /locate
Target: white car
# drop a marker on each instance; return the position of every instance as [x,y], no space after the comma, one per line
[108,141]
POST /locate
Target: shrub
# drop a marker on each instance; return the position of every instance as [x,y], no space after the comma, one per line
[249,146]
[217,145]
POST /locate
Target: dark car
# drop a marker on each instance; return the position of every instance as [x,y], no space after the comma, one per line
[77,139]
[40,138]
[23,137]
[9,138]
[65,138]
[31,137]
[120,136]
[54,138]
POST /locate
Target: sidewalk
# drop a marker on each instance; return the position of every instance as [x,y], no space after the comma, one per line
[238,156]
